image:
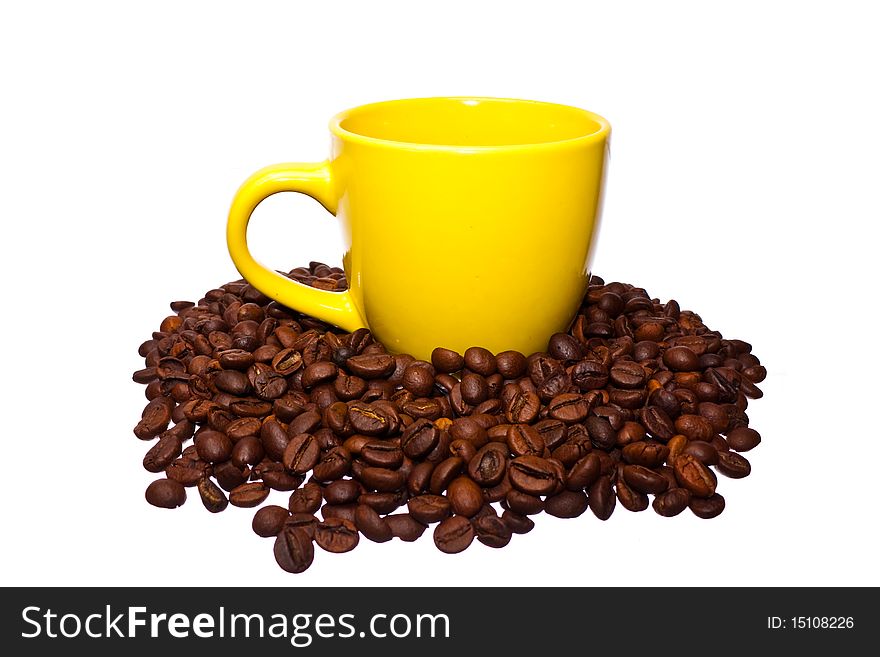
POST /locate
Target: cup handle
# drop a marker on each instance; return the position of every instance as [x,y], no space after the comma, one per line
[312,179]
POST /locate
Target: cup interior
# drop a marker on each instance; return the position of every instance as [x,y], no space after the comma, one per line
[468,122]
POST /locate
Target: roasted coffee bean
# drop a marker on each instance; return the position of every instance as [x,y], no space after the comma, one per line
[568,408]
[270,520]
[523,503]
[645,454]
[213,446]
[371,525]
[567,504]
[532,475]
[510,364]
[318,372]
[383,454]
[681,359]
[334,464]
[429,508]
[419,478]
[463,449]
[644,480]
[552,432]
[343,511]
[695,427]
[342,491]
[382,479]
[627,374]
[523,439]
[306,499]
[492,531]
[228,476]
[419,438]
[601,498]
[602,434]
[249,495]
[474,389]
[405,527]
[518,524]
[293,550]
[629,498]
[454,535]
[163,453]
[564,347]
[155,418]
[693,475]
[371,366]
[584,472]
[213,497]
[523,407]
[465,496]
[336,535]
[704,452]
[383,502]
[166,494]
[707,508]
[444,473]
[465,428]
[741,439]
[733,465]
[657,422]
[480,361]
[488,465]
[672,502]
[301,454]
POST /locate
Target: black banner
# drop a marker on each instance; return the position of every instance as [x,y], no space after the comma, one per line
[423,621]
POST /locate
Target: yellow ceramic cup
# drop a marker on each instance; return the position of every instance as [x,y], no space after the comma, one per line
[466,221]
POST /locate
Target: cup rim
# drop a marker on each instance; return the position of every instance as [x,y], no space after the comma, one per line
[599,135]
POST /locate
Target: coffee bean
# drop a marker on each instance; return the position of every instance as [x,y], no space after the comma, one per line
[741,439]
[564,347]
[301,453]
[629,498]
[567,504]
[627,374]
[405,527]
[481,361]
[371,366]
[465,496]
[465,428]
[444,473]
[733,465]
[552,432]
[213,497]
[419,438]
[160,455]
[523,503]
[644,480]
[154,419]
[704,452]
[334,464]
[429,509]
[269,520]
[446,360]
[646,454]
[166,494]
[695,427]
[492,531]
[693,475]
[681,359]
[532,475]
[306,499]
[602,434]
[213,446]
[657,422]
[293,550]
[474,389]
[523,407]
[418,378]
[247,451]
[336,535]
[287,361]
[707,508]
[249,494]
[383,454]
[510,364]
[382,479]
[371,525]
[518,524]
[488,465]
[672,502]
[454,535]
[568,408]
[342,491]
[523,439]
[601,498]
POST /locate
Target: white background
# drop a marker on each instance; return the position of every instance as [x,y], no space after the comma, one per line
[743,182]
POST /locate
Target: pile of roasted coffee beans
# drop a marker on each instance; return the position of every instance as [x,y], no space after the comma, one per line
[638,399]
